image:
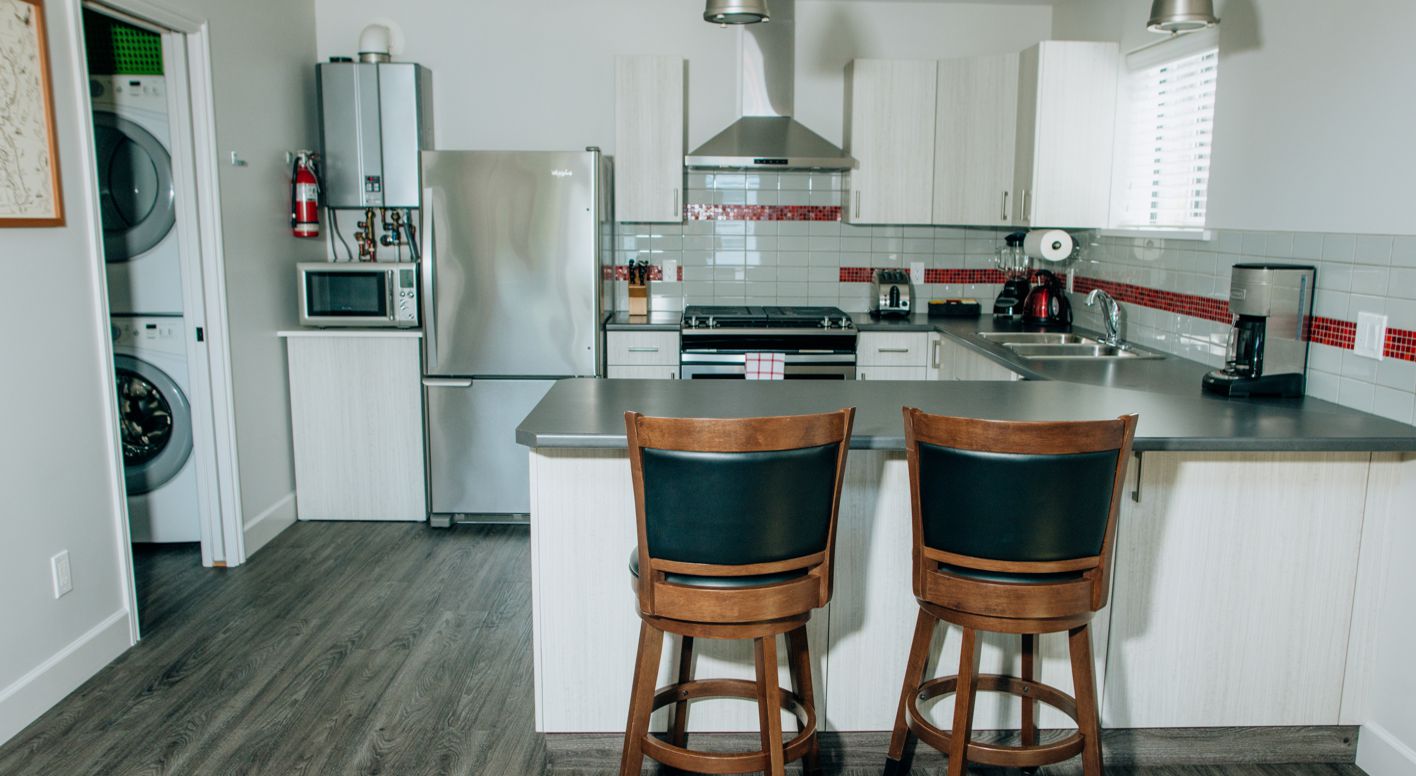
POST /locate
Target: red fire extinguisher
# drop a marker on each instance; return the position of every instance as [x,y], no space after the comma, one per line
[305,196]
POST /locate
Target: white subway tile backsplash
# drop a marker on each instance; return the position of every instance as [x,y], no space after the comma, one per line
[1339,247]
[1373,249]
[1403,282]
[1403,252]
[1393,404]
[1307,246]
[1369,280]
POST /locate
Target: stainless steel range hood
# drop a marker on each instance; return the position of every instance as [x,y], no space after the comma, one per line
[767,137]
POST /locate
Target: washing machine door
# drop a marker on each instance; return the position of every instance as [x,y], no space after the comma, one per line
[154,422]
[136,197]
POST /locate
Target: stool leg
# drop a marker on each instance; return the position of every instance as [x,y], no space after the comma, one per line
[914,676]
[1084,684]
[963,705]
[1029,674]
[678,728]
[799,660]
[769,704]
[641,699]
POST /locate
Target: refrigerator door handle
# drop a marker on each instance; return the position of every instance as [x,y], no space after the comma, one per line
[430,298]
[447,382]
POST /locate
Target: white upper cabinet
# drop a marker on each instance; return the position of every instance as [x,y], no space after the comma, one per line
[890,133]
[649,138]
[974,131]
[1065,130]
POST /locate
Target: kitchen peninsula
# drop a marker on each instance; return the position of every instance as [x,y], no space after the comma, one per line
[1250,529]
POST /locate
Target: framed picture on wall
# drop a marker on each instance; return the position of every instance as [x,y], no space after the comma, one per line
[30,192]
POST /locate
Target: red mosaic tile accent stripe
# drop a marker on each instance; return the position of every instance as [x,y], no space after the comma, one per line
[762,213]
[964,276]
[1400,343]
[856,274]
[1334,332]
[1210,309]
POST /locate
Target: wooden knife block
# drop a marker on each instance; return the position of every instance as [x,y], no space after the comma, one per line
[638,298]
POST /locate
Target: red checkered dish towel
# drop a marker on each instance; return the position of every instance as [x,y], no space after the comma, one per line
[766,366]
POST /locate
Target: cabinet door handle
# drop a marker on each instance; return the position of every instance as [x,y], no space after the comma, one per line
[673,374]
[676,203]
[1027,206]
[934,358]
[857,204]
[1003,213]
[644,348]
[892,350]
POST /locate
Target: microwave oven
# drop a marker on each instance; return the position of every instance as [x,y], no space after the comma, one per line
[358,294]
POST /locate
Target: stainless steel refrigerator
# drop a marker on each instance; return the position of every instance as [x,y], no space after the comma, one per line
[511,302]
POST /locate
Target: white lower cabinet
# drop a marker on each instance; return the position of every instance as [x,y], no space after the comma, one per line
[356,415]
[664,372]
[891,373]
[642,355]
[950,360]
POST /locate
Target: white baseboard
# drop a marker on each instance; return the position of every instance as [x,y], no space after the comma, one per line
[269,523]
[1379,753]
[34,693]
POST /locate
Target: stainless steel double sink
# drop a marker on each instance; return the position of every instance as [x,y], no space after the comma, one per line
[1050,345]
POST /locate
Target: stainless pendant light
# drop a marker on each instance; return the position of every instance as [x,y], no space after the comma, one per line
[1175,16]
[736,11]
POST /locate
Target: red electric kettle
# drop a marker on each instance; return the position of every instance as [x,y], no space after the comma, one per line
[1047,305]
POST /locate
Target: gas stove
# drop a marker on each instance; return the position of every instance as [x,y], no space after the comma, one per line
[742,317]
[819,343]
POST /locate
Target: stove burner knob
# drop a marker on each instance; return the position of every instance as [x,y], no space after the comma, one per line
[712,323]
[826,322]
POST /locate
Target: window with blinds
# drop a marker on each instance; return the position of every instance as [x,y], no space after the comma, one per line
[1166,158]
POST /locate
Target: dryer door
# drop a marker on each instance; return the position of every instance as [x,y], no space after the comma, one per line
[154,423]
[136,196]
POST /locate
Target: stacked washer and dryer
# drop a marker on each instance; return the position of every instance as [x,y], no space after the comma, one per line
[137,200]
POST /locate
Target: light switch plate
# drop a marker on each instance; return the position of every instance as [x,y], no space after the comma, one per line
[59,570]
[670,271]
[917,271]
[1371,335]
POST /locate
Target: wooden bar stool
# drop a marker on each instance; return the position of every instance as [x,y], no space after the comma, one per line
[737,529]
[1014,528]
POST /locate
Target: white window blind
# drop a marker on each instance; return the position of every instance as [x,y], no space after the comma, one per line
[1166,161]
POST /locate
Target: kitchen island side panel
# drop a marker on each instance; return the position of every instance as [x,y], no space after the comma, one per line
[585,625]
[1233,588]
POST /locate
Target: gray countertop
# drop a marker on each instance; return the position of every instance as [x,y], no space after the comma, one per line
[1175,415]
[654,321]
[590,413]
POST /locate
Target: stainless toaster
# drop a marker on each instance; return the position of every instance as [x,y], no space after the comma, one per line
[890,292]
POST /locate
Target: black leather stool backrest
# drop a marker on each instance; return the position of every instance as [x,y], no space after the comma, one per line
[1015,506]
[740,507]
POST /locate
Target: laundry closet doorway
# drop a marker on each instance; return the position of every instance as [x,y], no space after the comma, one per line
[156,169]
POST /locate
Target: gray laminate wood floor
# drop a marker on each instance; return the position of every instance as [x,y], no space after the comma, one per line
[340,648]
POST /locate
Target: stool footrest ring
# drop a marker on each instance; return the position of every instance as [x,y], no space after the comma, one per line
[727,762]
[997,754]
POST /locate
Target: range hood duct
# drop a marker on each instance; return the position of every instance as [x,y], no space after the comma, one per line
[767,137]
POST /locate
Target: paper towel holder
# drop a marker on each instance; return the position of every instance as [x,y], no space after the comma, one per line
[1051,245]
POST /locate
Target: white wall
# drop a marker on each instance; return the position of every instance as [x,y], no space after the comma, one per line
[60,473]
[538,74]
[1311,133]
[59,466]
[263,58]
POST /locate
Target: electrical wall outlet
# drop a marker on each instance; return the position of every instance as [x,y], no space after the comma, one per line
[59,570]
[917,271]
[670,271]
[1371,336]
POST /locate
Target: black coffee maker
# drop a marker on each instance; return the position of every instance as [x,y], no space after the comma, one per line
[1268,345]
[1014,263]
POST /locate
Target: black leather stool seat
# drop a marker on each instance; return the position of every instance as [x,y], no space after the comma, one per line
[719,582]
[1004,577]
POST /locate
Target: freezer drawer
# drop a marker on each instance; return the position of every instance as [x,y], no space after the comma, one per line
[475,466]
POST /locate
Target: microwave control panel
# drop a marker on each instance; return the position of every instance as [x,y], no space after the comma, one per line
[406,297]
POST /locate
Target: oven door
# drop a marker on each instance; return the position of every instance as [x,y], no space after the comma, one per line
[798,366]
